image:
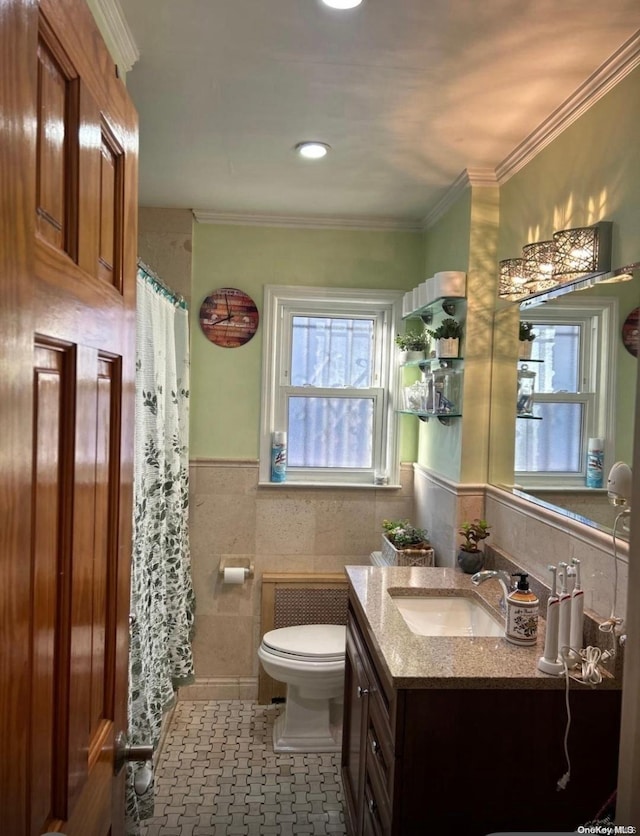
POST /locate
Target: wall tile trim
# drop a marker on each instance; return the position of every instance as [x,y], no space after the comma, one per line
[585,533]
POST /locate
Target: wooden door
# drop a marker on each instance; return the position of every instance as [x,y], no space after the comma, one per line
[68,187]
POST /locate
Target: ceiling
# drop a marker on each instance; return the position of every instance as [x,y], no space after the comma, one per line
[408,93]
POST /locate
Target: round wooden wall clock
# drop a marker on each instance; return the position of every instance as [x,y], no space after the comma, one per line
[229,317]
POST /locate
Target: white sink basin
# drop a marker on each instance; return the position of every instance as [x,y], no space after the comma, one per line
[447,615]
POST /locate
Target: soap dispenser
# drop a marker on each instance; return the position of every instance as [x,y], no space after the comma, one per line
[522,613]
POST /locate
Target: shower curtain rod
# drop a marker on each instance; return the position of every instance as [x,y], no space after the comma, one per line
[153,277]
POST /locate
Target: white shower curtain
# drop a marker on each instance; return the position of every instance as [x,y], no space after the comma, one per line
[162,601]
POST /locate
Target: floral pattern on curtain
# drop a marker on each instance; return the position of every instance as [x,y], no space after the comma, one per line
[162,598]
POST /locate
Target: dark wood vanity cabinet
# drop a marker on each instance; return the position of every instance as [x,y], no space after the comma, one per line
[470,761]
[367,754]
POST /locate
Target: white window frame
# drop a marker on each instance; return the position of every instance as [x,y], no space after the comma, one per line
[599,316]
[281,304]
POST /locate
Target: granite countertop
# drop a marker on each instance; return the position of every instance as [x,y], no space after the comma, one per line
[414,661]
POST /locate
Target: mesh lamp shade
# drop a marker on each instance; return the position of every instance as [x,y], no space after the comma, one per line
[512,279]
[539,259]
[582,251]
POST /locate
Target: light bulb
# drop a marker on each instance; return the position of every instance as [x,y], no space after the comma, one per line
[312,150]
[342,4]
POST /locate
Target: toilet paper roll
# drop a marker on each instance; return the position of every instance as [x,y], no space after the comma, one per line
[233,574]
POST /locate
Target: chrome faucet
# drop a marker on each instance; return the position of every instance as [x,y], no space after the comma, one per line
[503,578]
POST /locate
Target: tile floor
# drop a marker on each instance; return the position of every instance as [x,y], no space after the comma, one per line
[218,775]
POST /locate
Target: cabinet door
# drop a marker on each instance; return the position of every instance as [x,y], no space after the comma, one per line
[354,734]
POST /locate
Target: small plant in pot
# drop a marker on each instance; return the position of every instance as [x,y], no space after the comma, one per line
[470,557]
[405,545]
[447,336]
[526,337]
[412,345]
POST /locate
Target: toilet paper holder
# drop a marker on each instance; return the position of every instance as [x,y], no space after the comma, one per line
[237,563]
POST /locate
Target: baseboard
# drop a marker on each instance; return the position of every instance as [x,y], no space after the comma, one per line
[221,688]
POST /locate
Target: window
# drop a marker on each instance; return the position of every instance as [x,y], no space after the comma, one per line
[573,357]
[328,378]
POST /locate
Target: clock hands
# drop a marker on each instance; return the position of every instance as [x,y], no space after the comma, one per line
[229,315]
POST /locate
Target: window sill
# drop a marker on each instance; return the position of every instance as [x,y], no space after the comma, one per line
[332,485]
[559,487]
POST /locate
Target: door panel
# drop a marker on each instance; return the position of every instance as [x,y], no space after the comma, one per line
[56,150]
[52,381]
[67,271]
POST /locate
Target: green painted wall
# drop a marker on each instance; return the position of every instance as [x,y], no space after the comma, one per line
[446,248]
[225,383]
[447,241]
[591,172]
[465,238]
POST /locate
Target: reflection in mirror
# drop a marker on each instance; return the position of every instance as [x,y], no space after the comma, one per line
[572,387]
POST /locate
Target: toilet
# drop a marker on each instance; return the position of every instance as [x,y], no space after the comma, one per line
[310,659]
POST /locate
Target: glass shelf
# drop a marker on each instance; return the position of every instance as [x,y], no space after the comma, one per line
[429,360]
[528,360]
[425,313]
[443,417]
[530,417]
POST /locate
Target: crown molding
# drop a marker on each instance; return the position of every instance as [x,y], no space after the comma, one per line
[619,65]
[470,177]
[372,223]
[113,24]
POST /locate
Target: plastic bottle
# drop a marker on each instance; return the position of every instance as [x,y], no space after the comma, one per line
[278,456]
[522,613]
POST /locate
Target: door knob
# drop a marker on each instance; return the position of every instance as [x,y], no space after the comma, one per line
[125,751]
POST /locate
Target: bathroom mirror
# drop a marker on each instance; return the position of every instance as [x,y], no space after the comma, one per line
[584,386]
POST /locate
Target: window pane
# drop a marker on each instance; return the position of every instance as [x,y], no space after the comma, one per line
[553,444]
[330,432]
[559,347]
[331,352]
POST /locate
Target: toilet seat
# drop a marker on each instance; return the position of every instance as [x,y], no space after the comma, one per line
[312,642]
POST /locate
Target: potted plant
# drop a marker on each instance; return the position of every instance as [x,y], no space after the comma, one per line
[405,545]
[470,557]
[526,337]
[447,336]
[412,345]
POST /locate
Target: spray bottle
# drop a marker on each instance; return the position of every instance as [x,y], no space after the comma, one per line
[548,662]
[278,456]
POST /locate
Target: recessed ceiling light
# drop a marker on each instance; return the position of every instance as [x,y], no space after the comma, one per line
[312,150]
[342,4]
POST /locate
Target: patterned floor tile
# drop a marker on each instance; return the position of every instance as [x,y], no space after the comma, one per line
[218,775]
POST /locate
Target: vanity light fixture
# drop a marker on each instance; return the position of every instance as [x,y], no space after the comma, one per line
[342,4]
[512,279]
[539,259]
[582,252]
[313,150]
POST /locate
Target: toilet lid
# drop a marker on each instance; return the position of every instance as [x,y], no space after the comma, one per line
[314,641]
